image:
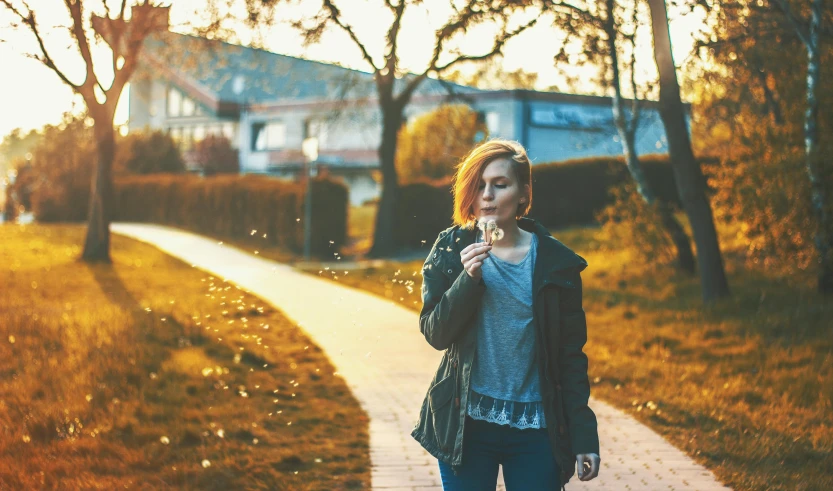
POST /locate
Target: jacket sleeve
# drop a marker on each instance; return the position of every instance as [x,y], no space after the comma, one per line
[446,309]
[575,383]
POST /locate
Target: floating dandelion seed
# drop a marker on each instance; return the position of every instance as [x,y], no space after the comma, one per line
[253,232]
[165,440]
[153,375]
[317,461]
[11,339]
[297,219]
[221,433]
[255,440]
[26,439]
[89,397]
[206,464]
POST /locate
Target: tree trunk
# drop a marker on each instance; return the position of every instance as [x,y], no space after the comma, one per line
[97,244]
[627,133]
[383,240]
[687,173]
[824,237]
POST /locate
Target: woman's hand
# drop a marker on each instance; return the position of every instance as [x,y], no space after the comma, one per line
[473,257]
[590,460]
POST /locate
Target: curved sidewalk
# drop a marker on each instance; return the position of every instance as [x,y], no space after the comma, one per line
[376,346]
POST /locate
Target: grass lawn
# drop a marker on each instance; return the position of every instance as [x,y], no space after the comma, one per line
[745,387]
[151,374]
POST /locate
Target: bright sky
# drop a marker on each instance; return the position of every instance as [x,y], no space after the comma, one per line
[31,95]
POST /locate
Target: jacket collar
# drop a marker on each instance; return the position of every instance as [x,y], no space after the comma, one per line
[554,263]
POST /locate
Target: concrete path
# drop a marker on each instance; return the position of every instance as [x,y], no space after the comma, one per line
[376,346]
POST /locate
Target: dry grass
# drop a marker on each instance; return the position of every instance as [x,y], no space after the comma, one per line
[745,387]
[150,374]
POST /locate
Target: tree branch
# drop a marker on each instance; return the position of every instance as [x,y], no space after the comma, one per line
[784,7]
[499,42]
[86,88]
[31,22]
[335,15]
[392,59]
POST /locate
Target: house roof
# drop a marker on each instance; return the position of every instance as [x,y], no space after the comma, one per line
[232,74]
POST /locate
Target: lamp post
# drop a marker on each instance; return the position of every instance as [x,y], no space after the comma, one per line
[309,147]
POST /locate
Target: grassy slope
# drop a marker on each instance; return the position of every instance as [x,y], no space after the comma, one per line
[99,363]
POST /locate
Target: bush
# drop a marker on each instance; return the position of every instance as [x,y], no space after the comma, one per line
[63,161]
[567,193]
[629,222]
[215,155]
[148,152]
[435,142]
[234,206]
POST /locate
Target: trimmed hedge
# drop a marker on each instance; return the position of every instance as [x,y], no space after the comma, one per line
[234,206]
[564,194]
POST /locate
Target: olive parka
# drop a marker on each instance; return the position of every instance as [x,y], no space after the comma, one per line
[450,300]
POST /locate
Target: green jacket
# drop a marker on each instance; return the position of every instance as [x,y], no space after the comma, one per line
[450,299]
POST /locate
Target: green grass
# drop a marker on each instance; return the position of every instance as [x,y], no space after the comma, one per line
[149,373]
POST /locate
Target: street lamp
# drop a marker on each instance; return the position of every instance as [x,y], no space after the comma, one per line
[309,147]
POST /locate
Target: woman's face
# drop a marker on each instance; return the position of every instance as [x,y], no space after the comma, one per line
[499,194]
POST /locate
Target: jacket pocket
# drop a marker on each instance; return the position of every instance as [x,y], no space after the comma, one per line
[443,412]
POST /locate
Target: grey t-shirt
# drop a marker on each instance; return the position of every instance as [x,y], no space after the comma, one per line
[504,368]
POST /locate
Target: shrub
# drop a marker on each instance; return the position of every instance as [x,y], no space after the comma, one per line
[432,145]
[148,152]
[215,155]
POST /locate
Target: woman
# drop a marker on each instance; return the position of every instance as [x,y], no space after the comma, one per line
[512,387]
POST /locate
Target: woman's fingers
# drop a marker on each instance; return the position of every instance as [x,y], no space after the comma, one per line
[473,251]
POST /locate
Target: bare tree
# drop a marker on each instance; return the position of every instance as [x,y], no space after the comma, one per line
[389,77]
[687,173]
[627,132]
[124,30]
[809,31]
[600,28]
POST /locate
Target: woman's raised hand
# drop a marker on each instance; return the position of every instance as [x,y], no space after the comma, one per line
[473,257]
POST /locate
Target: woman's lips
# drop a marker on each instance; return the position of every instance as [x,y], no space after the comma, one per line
[489,209]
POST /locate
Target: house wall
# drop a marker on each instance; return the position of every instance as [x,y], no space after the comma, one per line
[549,130]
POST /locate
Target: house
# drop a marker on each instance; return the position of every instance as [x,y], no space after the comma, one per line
[267,104]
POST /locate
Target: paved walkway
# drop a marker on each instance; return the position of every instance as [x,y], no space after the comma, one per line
[377,347]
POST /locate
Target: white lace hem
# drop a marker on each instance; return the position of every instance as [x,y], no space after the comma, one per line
[521,415]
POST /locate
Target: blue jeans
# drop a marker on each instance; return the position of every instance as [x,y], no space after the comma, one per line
[526,456]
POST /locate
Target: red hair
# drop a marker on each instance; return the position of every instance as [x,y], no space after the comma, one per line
[470,170]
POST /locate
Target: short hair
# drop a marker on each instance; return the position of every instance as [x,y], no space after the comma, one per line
[470,170]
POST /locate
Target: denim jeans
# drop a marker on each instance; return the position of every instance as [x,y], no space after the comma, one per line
[526,456]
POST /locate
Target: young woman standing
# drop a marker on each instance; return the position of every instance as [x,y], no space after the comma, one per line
[505,305]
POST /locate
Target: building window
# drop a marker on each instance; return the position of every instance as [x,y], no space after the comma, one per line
[316,128]
[174,102]
[230,132]
[199,133]
[493,123]
[268,136]
[187,106]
